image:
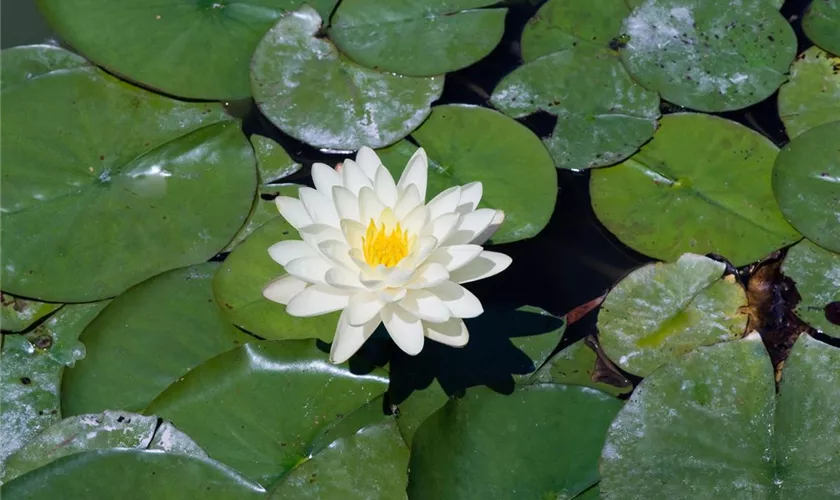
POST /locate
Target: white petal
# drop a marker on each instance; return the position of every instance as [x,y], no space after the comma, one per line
[343,279]
[368,161]
[455,256]
[363,307]
[370,207]
[315,300]
[283,289]
[349,339]
[318,233]
[354,177]
[487,264]
[385,187]
[491,229]
[409,200]
[415,173]
[460,301]
[425,305]
[471,226]
[404,328]
[424,247]
[416,220]
[428,275]
[320,207]
[309,269]
[338,252]
[453,332]
[442,227]
[324,178]
[445,202]
[293,211]
[353,232]
[391,295]
[470,196]
[346,203]
[284,251]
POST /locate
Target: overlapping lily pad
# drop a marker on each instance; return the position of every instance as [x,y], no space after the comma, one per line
[22,64]
[417,38]
[709,55]
[516,171]
[96,179]
[812,96]
[146,339]
[603,116]
[542,441]
[575,365]
[702,185]
[277,396]
[816,274]
[315,94]
[806,182]
[58,336]
[18,313]
[716,410]
[822,24]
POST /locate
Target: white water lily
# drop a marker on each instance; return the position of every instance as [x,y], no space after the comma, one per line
[373,249]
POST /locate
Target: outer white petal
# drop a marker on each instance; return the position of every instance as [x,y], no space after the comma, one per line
[338,252]
[425,305]
[442,227]
[460,301]
[409,199]
[453,332]
[310,269]
[320,207]
[385,187]
[494,226]
[343,279]
[368,161]
[428,275]
[349,339]
[315,300]
[370,206]
[470,196]
[318,233]
[404,328]
[346,203]
[285,251]
[363,307]
[445,202]
[455,256]
[354,177]
[471,226]
[283,289]
[487,264]
[353,233]
[293,211]
[416,173]
[324,178]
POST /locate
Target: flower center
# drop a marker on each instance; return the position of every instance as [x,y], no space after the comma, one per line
[383,247]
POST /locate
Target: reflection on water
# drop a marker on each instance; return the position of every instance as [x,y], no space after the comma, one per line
[22,24]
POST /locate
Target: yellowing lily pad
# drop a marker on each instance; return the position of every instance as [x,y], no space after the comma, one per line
[822,24]
[812,96]
[816,273]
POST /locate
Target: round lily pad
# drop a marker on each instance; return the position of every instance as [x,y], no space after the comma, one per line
[18,313]
[708,55]
[603,116]
[516,171]
[816,273]
[257,407]
[417,38]
[806,182]
[21,64]
[701,185]
[661,311]
[563,24]
[315,94]
[147,338]
[812,96]
[105,185]
[822,24]
[542,441]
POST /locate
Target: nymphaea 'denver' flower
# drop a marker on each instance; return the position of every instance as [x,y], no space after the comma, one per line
[373,248]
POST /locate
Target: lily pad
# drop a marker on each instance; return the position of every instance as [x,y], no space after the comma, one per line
[702,185]
[816,273]
[542,441]
[716,409]
[603,116]
[812,96]
[273,162]
[306,87]
[132,475]
[110,429]
[661,311]
[257,407]
[58,336]
[417,407]
[806,182]
[19,65]
[146,339]
[562,24]
[18,313]
[575,365]
[96,175]
[821,24]
[417,38]
[708,55]
[240,280]
[516,171]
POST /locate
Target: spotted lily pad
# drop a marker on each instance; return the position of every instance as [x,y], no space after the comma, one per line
[58,336]
[18,313]
[822,24]
[315,94]
[816,273]
[812,96]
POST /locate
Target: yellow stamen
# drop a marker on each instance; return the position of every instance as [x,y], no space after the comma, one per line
[382,247]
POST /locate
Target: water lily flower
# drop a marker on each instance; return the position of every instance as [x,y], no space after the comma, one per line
[375,250]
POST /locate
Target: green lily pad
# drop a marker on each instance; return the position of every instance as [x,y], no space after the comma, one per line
[146,339]
[96,177]
[315,94]
[821,24]
[18,313]
[816,273]
[542,441]
[240,280]
[417,38]
[716,409]
[806,182]
[562,24]
[575,365]
[661,311]
[702,185]
[708,55]
[257,407]
[812,96]
[19,65]
[603,115]
[58,336]
[516,171]
[372,463]
[110,429]
[132,475]
[273,162]
[417,407]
